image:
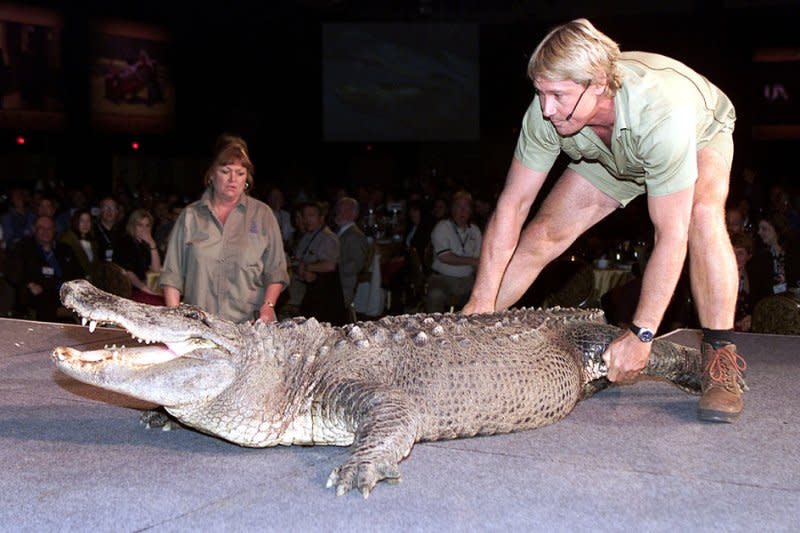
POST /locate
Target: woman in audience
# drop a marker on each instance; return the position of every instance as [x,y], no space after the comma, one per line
[80,237]
[774,268]
[137,253]
[225,253]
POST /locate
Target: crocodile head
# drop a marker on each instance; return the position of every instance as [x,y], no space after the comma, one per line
[187,356]
[242,382]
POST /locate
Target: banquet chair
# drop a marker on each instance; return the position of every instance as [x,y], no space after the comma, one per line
[777,314]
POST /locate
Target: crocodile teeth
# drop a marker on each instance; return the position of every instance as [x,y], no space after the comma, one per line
[92,326]
[84,320]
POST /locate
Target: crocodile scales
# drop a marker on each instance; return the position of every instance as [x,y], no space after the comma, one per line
[376,386]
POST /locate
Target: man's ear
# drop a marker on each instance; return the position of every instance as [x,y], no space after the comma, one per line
[600,83]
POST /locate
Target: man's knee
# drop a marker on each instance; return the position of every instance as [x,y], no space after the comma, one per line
[707,216]
[543,238]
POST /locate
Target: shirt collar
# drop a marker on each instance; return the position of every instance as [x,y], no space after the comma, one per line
[344,227]
[206,199]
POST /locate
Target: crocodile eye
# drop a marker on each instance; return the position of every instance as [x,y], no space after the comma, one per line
[197,314]
[194,314]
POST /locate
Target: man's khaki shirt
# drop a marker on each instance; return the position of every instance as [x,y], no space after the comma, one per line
[664,113]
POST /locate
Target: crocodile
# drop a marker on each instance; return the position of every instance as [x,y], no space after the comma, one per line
[378,386]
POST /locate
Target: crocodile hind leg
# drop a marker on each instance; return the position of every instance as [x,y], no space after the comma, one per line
[385,424]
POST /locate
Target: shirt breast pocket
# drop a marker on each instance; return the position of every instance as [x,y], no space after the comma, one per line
[633,170]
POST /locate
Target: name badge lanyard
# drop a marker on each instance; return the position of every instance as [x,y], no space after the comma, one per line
[311,240]
[463,240]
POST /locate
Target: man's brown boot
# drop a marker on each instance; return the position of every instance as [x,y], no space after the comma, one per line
[722,375]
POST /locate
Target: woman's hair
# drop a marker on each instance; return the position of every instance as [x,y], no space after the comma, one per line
[74,223]
[578,52]
[230,149]
[134,219]
[779,223]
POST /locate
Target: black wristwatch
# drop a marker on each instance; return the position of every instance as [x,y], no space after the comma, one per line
[644,334]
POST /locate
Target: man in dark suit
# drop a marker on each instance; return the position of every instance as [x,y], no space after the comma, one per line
[353,245]
[38,267]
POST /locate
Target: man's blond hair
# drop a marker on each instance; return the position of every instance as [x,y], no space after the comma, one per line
[577,51]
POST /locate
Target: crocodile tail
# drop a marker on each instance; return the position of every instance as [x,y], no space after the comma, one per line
[681,365]
[668,361]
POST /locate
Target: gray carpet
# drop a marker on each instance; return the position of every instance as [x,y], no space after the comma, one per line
[632,458]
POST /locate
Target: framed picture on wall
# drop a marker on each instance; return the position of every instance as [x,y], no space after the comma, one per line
[31,68]
[132,88]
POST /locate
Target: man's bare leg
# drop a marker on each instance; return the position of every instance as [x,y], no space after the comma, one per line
[715,286]
[573,206]
[712,263]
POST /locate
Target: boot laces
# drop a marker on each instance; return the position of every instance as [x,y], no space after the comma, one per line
[725,364]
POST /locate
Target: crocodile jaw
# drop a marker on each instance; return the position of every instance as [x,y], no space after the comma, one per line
[154,374]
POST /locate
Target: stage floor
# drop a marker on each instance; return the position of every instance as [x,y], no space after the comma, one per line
[628,459]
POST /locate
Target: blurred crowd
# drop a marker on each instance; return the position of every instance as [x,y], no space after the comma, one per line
[415,245]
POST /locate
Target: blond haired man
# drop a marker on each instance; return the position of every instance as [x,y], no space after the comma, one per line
[633,123]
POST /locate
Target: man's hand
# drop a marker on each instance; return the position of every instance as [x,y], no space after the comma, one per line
[625,357]
[474,307]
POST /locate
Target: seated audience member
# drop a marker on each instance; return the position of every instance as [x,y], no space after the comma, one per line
[39,265]
[456,247]
[17,222]
[439,210]
[353,247]
[164,226]
[734,221]
[47,207]
[743,250]
[781,205]
[297,288]
[108,229]
[225,253]
[137,253]
[418,233]
[276,201]
[776,265]
[409,285]
[317,267]
[80,238]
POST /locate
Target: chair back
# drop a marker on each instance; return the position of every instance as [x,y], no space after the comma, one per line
[111,277]
[777,314]
[564,283]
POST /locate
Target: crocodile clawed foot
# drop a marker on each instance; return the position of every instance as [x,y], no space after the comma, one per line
[362,475]
[158,419]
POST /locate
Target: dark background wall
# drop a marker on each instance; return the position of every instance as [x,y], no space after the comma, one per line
[254,68]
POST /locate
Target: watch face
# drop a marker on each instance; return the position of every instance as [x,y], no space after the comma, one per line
[645,335]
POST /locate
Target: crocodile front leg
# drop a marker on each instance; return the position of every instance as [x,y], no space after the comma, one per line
[385,424]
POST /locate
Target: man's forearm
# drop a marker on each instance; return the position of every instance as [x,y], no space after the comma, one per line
[502,234]
[659,281]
